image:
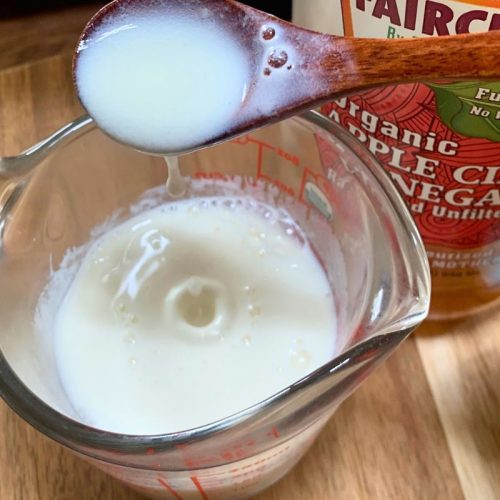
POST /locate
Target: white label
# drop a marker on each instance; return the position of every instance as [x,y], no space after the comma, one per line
[397,18]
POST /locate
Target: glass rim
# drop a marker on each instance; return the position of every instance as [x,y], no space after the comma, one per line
[79,437]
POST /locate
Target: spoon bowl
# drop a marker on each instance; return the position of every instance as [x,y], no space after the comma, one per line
[178,75]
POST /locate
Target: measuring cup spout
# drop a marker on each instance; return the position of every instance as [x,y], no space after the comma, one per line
[322,391]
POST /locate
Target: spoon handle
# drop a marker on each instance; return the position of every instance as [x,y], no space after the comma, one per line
[372,62]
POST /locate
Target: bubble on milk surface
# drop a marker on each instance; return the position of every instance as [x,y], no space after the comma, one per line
[277,58]
[268,33]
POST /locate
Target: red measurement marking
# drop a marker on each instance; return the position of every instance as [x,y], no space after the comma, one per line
[291,158]
[242,140]
[261,143]
[194,463]
[210,175]
[150,451]
[169,488]
[274,432]
[283,187]
[260,156]
[303,182]
[288,156]
[199,487]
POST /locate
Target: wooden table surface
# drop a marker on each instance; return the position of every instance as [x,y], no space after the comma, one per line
[425,426]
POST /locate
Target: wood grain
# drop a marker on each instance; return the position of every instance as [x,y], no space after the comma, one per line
[31,38]
[385,442]
[353,64]
[462,361]
[424,426]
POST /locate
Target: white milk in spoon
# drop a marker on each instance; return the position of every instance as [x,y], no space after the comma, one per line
[151,79]
[189,313]
[170,75]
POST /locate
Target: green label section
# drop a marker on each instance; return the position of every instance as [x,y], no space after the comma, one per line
[471,109]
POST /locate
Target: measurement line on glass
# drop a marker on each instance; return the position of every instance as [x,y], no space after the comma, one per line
[315,188]
[163,482]
[169,488]
[197,483]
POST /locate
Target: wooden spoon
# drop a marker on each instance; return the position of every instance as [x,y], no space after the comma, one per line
[294,69]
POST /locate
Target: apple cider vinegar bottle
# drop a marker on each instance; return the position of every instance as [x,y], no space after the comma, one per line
[439,141]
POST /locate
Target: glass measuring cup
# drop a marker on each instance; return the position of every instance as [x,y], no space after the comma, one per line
[55,194]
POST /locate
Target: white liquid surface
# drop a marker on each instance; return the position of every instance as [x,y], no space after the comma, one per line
[189,313]
[162,81]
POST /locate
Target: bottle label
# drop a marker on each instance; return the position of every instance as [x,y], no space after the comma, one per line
[449,181]
[440,142]
[406,18]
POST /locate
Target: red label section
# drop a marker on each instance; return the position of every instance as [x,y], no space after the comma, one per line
[450,181]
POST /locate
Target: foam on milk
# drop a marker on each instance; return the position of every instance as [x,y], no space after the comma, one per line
[190,312]
[155,77]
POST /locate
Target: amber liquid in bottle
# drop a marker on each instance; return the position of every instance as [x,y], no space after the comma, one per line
[460,291]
